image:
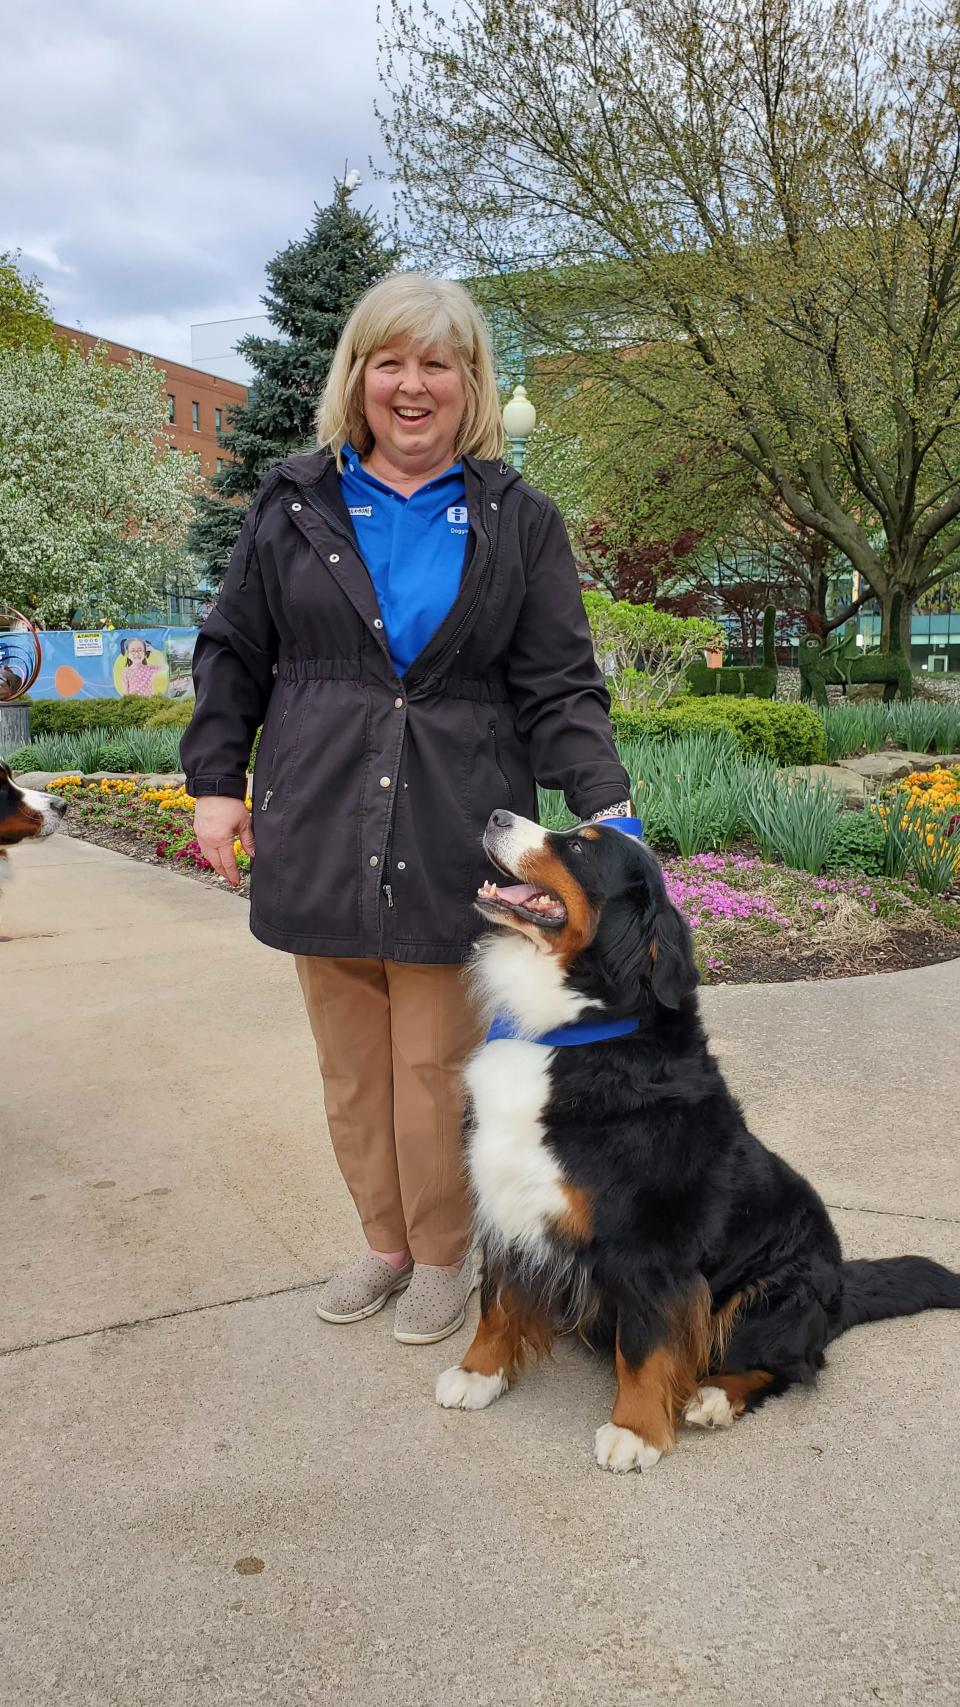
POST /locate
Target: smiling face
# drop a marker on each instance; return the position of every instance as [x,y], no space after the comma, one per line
[136,652]
[414,402]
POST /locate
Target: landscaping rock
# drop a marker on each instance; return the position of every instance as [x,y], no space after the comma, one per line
[43,779]
[890,766]
[35,779]
[853,785]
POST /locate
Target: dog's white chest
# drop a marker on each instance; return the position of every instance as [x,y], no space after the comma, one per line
[516,1181]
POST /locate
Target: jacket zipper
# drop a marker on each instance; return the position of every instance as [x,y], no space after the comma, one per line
[497,761]
[265,802]
[328,516]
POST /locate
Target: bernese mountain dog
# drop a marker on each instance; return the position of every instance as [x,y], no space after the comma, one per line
[25,813]
[617,1189]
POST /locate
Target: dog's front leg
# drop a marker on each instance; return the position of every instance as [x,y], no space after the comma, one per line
[507,1329]
[658,1351]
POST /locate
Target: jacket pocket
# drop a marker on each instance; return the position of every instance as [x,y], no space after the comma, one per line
[274,749]
[495,744]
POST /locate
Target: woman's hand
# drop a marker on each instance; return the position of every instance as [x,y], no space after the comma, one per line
[218,820]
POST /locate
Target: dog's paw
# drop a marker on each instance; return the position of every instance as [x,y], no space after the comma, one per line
[462,1389]
[710,1409]
[620,1449]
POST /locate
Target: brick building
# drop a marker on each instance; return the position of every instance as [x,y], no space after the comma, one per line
[197,402]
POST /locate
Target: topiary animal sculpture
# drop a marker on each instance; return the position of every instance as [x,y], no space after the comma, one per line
[838,663]
[760,680]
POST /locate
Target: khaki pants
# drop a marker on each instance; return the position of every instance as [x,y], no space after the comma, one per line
[391,1041]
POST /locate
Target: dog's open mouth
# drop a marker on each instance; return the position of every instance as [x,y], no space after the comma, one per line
[524,899]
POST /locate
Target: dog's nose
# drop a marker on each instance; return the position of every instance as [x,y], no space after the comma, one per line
[59,805]
[501,820]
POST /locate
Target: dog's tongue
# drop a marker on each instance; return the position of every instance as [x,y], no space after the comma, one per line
[517,894]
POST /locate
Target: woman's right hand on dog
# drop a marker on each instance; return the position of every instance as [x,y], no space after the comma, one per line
[218,820]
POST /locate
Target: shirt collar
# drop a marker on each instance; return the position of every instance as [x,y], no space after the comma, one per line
[354,467]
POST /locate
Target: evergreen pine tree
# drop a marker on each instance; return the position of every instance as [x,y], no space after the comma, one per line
[313,285]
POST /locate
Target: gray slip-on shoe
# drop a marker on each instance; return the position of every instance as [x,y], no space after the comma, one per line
[361,1289]
[434,1304]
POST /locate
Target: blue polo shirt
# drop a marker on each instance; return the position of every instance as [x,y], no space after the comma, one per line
[414,549]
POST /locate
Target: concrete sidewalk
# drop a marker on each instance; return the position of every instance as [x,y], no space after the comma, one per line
[210,1498]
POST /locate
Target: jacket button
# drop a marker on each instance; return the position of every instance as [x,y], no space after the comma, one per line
[374,860]
[377,623]
[401,865]
[493,506]
[296,508]
[384,782]
[334,556]
[398,704]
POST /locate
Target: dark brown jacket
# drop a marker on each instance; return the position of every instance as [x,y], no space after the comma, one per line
[371,792]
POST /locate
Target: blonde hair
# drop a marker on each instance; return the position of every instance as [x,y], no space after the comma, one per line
[424,311]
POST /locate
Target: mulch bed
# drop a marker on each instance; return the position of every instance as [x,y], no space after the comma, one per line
[778,964]
[757,959]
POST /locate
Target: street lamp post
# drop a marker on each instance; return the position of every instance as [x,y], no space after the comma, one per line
[519,420]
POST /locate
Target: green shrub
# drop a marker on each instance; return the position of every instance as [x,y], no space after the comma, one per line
[859,842]
[69,716]
[788,734]
[171,713]
[647,649]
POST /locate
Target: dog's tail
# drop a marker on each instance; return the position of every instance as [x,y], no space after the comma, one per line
[894,1286]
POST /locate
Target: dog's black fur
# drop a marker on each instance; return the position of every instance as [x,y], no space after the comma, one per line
[680,1192]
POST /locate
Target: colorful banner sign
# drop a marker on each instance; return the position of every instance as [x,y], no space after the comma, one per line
[111,662]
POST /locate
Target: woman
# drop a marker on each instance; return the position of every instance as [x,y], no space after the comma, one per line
[402,615]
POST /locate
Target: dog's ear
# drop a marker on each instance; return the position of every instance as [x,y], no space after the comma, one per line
[673,973]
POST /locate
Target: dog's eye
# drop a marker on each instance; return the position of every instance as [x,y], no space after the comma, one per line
[576,847]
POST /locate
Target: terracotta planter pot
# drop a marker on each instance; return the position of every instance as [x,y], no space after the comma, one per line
[714,657]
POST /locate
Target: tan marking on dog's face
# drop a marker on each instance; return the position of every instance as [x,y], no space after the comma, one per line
[576,1222]
[21,822]
[543,868]
[589,835]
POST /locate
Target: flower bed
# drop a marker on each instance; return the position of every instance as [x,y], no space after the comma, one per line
[920,816]
[159,819]
[753,920]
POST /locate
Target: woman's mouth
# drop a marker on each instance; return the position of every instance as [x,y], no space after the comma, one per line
[411,417]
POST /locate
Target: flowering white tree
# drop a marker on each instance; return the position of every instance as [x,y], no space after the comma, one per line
[94,505]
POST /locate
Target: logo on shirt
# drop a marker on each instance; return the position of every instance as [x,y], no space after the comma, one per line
[457,515]
[360,509]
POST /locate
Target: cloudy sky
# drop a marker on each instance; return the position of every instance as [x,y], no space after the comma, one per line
[154,157]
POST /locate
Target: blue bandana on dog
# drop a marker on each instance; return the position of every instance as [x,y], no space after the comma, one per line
[585,1031]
